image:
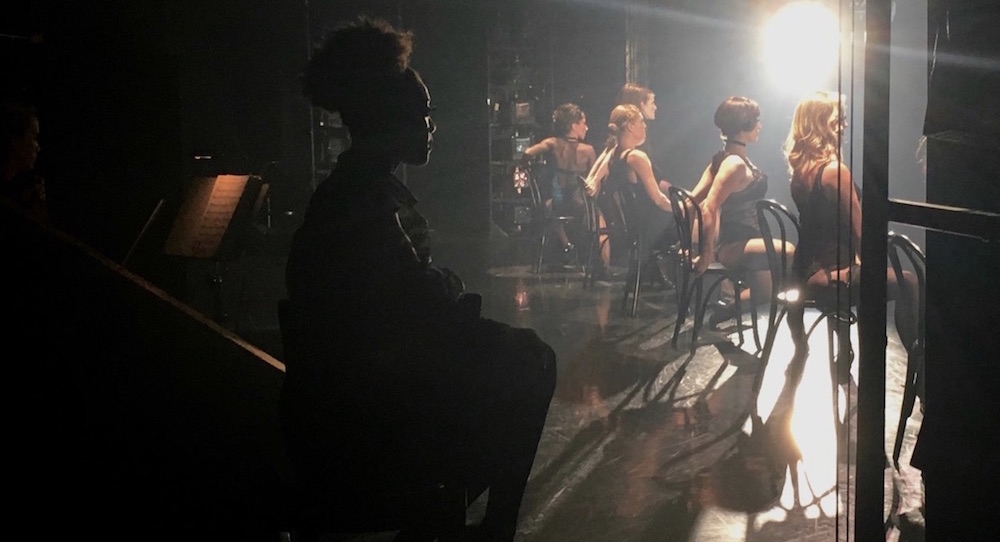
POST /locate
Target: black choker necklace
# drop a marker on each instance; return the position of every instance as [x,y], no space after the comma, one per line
[571,139]
[736,142]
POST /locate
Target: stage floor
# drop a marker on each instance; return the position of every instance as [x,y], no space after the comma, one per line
[638,433]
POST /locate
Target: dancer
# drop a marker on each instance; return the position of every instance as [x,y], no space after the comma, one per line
[729,189]
[573,157]
[630,168]
[827,258]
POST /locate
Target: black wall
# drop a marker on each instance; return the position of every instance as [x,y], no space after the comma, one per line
[963,162]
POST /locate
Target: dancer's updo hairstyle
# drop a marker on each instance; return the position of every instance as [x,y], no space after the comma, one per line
[621,116]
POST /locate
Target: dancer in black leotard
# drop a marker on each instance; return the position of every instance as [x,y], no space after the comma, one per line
[827,259]
[728,190]
[645,99]
[630,167]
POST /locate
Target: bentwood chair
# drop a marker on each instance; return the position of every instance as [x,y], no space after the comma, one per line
[778,223]
[904,255]
[543,218]
[691,287]
[780,231]
[598,233]
[618,205]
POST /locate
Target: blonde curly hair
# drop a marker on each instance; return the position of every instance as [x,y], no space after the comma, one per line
[816,132]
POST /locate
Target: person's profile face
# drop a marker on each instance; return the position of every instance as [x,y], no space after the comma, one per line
[638,128]
[416,132]
[754,133]
[648,107]
[838,123]
[580,128]
[24,148]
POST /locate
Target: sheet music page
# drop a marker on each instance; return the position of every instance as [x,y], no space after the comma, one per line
[205,215]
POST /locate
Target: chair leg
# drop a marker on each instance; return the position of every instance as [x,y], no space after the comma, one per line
[699,312]
[540,253]
[679,277]
[753,325]
[594,259]
[637,285]
[632,283]
[628,288]
[835,387]
[683,304]
[738,302]
[740,285]
[772,332]
[914,364]
[704,297]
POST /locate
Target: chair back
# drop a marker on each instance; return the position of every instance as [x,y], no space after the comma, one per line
[591,218]
[778,226]
[617,203]
[904,254]
[687,218]
[535,178]
[620,209]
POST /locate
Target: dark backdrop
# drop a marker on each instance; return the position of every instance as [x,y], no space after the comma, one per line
[129,92]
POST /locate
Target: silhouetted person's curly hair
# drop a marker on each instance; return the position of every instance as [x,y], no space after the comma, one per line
[360,71]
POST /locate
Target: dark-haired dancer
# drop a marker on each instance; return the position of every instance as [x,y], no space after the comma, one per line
[404,385]
[573,157]
[728,190]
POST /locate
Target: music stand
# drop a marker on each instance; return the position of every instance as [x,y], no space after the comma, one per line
[215,213]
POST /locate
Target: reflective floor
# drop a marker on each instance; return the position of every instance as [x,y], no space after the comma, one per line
[641,438]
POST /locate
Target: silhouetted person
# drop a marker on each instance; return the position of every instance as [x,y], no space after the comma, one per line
[21,186]
[405,385]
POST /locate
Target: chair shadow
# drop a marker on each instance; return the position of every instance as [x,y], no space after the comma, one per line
[646,458]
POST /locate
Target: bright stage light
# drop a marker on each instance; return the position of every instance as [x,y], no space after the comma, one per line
[801,44]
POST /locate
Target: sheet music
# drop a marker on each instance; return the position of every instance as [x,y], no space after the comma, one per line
[205,215]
